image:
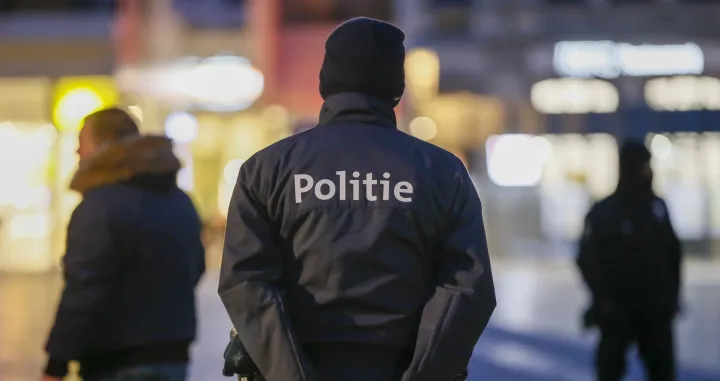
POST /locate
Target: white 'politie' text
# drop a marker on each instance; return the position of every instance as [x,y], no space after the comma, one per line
[344,189]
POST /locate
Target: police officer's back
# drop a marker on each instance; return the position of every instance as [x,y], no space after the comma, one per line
[630,259]
[355,251]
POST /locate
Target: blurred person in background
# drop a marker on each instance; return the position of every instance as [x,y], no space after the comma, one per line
[630,258]
[134,256]
[353,250]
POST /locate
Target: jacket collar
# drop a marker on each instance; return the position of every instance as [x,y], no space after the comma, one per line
[357,108]
[119,162]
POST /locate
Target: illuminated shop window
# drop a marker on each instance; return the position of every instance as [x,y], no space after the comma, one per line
[574,96]
[609,59]
[683,93]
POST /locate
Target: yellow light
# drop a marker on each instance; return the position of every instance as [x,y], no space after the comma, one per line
[77,97]
[75,106]
[422,69]
[423,128]
[276,116]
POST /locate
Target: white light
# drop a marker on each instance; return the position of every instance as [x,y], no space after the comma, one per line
[661,146]
[231,171]
[30,225]
[137,112]
[585,59]
[515,160]
[608,59]
[423,128]
[683,93]
[226,83]
[47,135]
[223,83]
[181,127]
[186,175]
[574,96]
[544,148]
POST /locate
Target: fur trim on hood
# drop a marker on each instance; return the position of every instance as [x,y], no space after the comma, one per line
[121,161]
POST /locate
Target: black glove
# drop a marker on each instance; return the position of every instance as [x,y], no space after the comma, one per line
[590,318]
[462,376]
[237,360]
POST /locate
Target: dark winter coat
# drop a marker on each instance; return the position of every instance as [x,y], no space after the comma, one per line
[133,259]
[356,251]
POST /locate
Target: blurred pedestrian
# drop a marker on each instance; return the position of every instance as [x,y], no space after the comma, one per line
[355,251]
[133,259]
[630,259]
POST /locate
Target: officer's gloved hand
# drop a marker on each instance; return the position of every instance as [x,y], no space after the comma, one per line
[237,360]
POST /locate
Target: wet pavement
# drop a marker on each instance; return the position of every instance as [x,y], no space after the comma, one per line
[534,335]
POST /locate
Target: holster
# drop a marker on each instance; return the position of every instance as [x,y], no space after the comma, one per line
[238,361]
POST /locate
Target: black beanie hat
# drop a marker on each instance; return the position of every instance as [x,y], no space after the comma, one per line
[633,178]
[366,56]
[633,154]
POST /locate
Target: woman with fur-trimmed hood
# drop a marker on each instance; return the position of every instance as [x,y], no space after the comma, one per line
[134,257]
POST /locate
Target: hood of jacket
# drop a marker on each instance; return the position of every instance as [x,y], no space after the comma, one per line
[135,157]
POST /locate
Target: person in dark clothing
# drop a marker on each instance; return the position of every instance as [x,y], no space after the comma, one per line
[134,257]
[355,251]
[630,258]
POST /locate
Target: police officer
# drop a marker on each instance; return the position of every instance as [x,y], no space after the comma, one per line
[630,259]
[354,251]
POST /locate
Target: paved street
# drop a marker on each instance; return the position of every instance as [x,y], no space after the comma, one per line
[534,335]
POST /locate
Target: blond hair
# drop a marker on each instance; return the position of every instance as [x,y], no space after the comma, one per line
[111,125]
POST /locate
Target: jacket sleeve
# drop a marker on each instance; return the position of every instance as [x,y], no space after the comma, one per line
[90,265]
[676,254]
[587,258]
[201,257]
[464,297]
[251,268]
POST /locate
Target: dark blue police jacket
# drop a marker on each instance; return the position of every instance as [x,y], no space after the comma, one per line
[356,239]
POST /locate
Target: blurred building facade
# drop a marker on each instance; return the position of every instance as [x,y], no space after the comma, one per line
[534,95]
[222,78]
[568,80]
[57,61]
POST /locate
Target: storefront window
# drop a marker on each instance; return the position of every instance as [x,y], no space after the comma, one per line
[25,196]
